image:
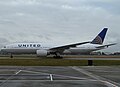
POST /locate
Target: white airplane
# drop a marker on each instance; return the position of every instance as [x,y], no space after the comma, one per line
[45,49]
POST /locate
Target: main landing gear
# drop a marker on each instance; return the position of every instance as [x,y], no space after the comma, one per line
[57,56]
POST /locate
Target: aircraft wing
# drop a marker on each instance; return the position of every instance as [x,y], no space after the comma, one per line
[103,46]
[62,48]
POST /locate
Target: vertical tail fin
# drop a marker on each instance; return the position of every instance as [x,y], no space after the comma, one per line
[99,39]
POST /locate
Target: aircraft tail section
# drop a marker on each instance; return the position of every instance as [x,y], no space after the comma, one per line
[99,39]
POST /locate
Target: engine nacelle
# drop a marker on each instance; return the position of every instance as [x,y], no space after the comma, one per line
[42,53]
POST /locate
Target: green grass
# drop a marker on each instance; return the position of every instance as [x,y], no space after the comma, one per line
[41,62]
[106,62]
[55,62]
[32,60]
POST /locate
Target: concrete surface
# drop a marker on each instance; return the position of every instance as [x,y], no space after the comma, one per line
[71,76]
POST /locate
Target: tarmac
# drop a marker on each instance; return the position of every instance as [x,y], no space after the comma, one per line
[55,76]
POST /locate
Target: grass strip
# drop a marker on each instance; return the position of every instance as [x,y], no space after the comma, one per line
[41,62]
[55,62]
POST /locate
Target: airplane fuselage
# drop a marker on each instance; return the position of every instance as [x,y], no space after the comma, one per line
[49,49]
[31,48]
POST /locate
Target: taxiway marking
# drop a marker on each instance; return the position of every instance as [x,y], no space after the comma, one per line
[101,79]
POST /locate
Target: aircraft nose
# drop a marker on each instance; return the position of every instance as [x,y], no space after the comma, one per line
[2,49]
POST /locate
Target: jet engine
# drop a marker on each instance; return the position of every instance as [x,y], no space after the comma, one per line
[42,53]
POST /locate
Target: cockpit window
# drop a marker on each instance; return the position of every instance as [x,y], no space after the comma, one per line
[4,46]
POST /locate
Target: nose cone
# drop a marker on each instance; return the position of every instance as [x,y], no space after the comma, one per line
[2,49]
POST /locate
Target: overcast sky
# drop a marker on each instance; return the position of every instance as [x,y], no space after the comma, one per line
[59,21]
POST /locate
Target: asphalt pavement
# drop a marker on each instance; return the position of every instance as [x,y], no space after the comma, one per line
[48,76]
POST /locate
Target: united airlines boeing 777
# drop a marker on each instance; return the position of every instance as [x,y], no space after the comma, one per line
[45,50]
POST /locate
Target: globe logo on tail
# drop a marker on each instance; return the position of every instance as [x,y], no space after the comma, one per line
[97,40]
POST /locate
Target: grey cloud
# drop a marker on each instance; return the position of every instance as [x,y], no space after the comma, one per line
[111,6]
[62,21]
[3,41]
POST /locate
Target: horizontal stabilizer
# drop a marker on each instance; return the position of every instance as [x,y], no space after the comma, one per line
[103,46]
